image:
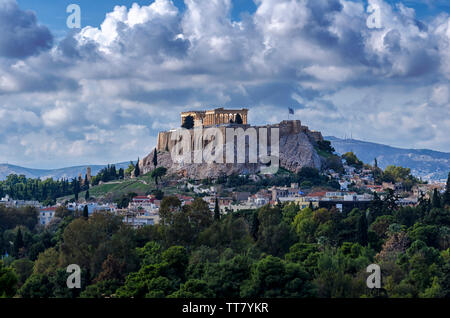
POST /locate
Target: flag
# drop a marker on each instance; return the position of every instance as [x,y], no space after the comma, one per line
[291,111]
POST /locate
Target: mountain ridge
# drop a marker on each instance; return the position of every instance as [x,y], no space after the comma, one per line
[425,163]
[60,173]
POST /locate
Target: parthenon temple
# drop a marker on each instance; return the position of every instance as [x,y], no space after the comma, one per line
[216,116]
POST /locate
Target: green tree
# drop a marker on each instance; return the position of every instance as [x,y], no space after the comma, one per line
[101,289]
[363,229]
[216,210]
[193,288]
[226,277]
[446,197]
[88,242]
[155,158]
[137,170]
[352,160]
[23,268]
[158,173]
[47,262]
[87,196]
[8,281]
[168,208]
[121,174]
[18,242]
[37,286]
[274,236]
[271,277]
[130,169]
[436,200]
[86,212]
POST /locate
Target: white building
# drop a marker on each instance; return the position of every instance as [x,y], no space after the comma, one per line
[7,201]
[46,215]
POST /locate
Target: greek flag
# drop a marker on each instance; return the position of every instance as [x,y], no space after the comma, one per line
[291,111]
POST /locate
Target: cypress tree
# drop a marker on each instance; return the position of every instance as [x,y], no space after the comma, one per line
[155,158]
[137,171]
[447,192]
[18,242]
[362,230]
[436,200]
[87,196]
[217,211]
[86,212]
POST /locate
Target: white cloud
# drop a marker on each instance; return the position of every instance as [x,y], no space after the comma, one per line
[103,93]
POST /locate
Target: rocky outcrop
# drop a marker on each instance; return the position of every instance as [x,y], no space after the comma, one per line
[296,149]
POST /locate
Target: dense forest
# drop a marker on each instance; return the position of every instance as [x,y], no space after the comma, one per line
[19,187]
[276,251]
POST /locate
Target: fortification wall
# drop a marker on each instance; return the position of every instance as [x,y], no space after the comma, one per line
[286,128]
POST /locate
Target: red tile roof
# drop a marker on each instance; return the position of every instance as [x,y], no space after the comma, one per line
[317,194]
[140,197]
[48,209]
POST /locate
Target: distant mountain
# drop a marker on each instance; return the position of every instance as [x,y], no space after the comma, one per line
[70,172]
[427,164]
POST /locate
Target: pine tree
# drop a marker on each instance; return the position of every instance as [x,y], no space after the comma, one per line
[217,210]
[155,158]
[86,212]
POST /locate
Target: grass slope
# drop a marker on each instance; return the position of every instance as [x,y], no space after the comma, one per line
[114,189]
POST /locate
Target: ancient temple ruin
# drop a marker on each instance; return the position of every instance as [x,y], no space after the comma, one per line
[218,116]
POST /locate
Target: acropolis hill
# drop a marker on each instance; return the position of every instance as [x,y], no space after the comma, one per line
[297,145]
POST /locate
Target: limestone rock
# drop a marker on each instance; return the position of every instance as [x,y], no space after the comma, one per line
[296,151]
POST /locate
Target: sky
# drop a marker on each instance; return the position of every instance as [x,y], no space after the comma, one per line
[375,70]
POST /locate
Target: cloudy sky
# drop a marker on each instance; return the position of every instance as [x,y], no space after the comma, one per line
[379,70]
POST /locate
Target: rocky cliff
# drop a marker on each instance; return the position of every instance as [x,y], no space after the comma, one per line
[296,150]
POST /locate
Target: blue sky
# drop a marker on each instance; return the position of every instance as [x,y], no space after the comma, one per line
[101,94]
[52,13]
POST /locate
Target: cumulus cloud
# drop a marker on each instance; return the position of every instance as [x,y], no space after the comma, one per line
[21,35]
[102,93]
